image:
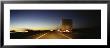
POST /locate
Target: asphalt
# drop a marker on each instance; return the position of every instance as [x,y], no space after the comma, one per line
[52,35]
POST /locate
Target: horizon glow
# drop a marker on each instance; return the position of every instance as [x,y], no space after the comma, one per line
[51,19]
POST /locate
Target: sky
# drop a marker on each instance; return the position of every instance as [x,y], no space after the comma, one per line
[51,19]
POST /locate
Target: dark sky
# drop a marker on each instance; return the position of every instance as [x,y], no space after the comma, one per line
[51,19]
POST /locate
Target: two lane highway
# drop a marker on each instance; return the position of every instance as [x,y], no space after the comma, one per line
[52,35]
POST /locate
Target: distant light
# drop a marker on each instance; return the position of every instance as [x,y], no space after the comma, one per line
[19,31]
[58,30]
[51,30]
[26,31]
[67,30]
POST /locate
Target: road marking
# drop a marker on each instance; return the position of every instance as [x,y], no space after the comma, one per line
[66,36]
[41,36]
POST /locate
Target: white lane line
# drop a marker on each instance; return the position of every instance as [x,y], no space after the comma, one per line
[66,36]
[41,36]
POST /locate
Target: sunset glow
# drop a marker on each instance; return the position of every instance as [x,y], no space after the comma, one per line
[20,20]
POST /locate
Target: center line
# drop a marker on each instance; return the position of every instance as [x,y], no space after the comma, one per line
[41,36]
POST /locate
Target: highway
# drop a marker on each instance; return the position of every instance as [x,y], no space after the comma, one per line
[51,35]
[55,35]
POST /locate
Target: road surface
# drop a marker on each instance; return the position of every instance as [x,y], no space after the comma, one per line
[51,35]
[55,35]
